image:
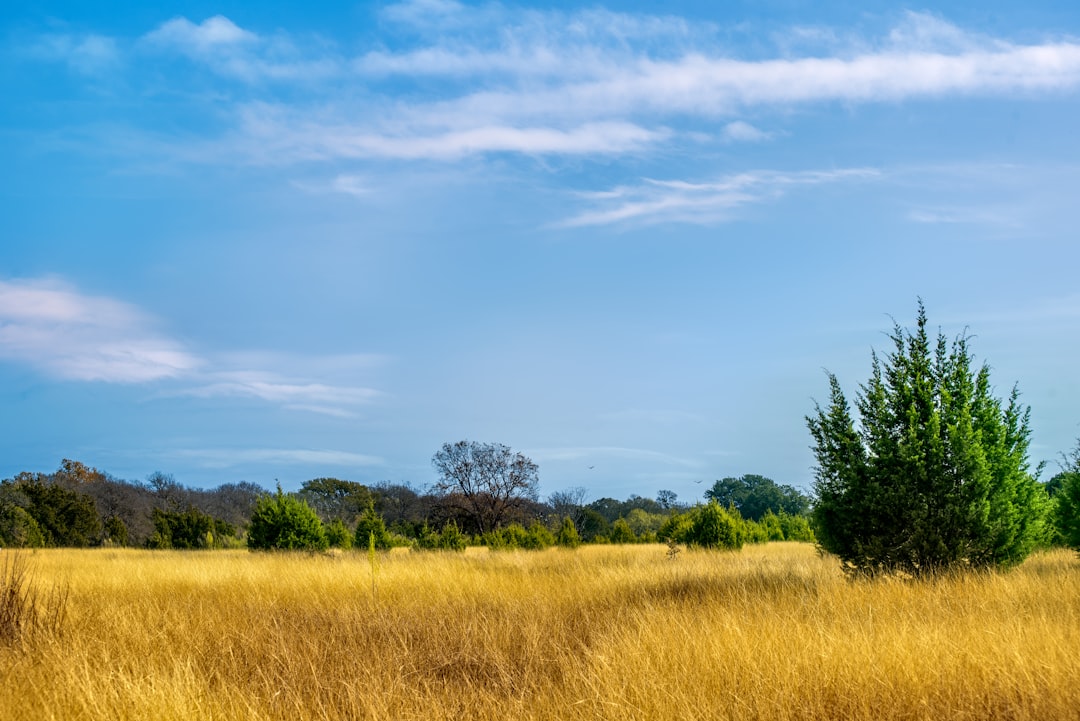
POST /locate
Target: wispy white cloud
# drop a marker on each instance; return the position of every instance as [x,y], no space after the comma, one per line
[611,452]
[572,89]
[355,185]
[230,457]
[210,35]
[231,51]
[57,330]
[927,32]
[557,83]
[424,13]
[323,398]
[655,201]
[86,54]
[272,134]
[740,131]
[50,326]
[940,215]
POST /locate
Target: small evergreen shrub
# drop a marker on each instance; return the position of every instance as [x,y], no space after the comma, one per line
[796,528]
[1066,513]
[371,523]
[452,539]
[281,522]
[509,537]
[715,527]
[116,532]
[568,536]
[538,537]
[678,527]
[338,535]
[18,529]
[621,532]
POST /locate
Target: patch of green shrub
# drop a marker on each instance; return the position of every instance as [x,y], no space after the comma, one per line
[338,534]
[621,532]
[715,527]
[568,536]
[372,524]
[281,522]
[18,529]
[538,537]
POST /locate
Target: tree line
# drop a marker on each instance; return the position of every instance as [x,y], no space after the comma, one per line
[485,494]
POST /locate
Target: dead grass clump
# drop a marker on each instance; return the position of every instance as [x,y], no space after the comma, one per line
[24,610]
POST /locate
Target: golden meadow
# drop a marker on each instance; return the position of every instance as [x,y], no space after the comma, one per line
[602,632]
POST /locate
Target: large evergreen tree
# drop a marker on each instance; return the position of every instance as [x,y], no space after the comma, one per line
[935,473]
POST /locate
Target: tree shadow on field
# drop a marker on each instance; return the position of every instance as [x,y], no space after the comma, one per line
[748,587]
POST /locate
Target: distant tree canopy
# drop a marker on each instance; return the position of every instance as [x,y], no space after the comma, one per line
[64,517]
[486,482]
[754,496]
[612,509]
[935,474]
[334,499]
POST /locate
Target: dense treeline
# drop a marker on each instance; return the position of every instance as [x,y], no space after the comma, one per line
[81,506]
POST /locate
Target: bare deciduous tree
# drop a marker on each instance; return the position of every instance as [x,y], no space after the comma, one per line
[487,482]
[569,503]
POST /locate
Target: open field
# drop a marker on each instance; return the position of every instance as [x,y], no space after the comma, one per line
[772,632]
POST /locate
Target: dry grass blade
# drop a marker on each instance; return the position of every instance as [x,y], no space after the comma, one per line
[23,609]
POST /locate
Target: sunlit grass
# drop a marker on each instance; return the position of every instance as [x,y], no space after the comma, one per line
[772,632]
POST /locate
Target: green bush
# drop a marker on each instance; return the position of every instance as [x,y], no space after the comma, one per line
[18,529]
[372,524]
[281,522]
[568,534]
[538,537]
[64,517]
[187,530]
[1067,510]
[621,532]
[507,538]
[678,527]
[796,528]
[116,532]
[770,523]
[751,531]
[594,526]
[452,539]
[338,534]
[715,527]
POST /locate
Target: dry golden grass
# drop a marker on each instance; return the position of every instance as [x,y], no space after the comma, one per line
[773,632]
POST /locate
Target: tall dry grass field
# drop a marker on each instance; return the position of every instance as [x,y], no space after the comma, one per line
[773,632]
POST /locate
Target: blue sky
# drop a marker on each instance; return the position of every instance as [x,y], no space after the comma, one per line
[259,241]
